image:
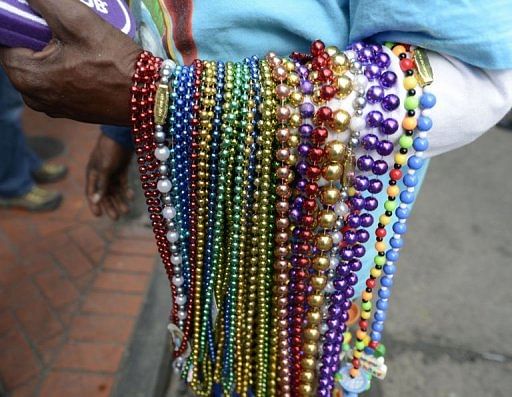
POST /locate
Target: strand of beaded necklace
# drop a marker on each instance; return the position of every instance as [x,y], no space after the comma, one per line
[178,130]
[262,207]
[173,214]
[209,271]
[208,101]
[384,220]
[327,164]
[191,232]
[340,301]
[375,63]
[236,229]
[215,213]
[420,143]
[148,154]
[301,215]
[223,197]
[285,176]
[201,372]
[252,246]
[245,140]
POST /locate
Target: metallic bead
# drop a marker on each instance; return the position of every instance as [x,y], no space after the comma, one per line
[332,171]
[310,349]
[314,317]
[330,195]
[312,334]
[308,363]
[359,102]
[316,300]
[295,120]
[283,134]
[320,263]
[306,390]
[293,79]
[332,50]
[318,282]
[160,136]
[344,85]
[307,376]
[296,98]
[356,66]
[163,169]
[326,219]
[340,120]
[340,63]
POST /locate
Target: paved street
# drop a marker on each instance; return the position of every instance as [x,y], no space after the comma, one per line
[451,313]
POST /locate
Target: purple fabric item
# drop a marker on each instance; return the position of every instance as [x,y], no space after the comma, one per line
[20,26]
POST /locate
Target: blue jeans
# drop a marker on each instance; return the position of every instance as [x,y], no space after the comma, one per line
[17,160]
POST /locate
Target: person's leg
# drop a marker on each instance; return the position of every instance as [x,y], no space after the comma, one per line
[34,162]
[17,186]
[15,173]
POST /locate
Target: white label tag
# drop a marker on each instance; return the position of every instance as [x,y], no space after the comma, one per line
[100,5]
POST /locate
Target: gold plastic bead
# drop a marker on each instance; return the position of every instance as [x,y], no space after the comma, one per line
[314,317]
[306,390]
[332,171]
[283,172]
[307,376]
[316,300]
[308,363]
[295,120]
[294,141]
[292,159]
[317,98]
[296,98]
[324,243]
[340,64]
[344,84]
[330,195]
[320,263]
[341,120]
[310,349]
[332,50]
[335,150]
[289,65]
[313,75]
[318,282]
[293,79]
[327,219]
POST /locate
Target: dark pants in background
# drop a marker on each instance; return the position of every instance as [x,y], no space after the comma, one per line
[17,160]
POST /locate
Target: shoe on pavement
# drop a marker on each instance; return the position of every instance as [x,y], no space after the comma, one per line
[49,173]
[36,200]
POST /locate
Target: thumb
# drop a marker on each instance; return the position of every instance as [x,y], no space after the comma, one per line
[95,189]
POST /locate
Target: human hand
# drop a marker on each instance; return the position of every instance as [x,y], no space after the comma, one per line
[107,188]
[84,73]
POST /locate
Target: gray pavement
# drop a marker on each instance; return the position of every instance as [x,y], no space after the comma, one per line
[450,317]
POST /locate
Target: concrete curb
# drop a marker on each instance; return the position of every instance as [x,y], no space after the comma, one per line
[146,368]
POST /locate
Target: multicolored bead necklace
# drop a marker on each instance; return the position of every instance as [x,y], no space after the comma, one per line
[261,209]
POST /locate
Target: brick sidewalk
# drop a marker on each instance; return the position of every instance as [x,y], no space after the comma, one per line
[71,286]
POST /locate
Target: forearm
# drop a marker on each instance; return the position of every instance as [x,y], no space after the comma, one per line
[470,102]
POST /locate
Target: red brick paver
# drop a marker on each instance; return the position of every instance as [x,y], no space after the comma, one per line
[71,285]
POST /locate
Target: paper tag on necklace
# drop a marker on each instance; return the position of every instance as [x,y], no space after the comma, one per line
[374,365]
[215,310]
[190,374]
